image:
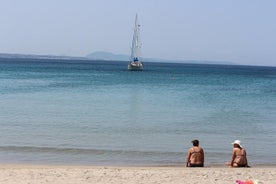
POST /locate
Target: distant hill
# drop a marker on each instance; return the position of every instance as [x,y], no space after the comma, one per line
[33,56]
[108,56]
[102,55]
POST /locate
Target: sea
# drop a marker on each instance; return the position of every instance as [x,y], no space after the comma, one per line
[78,112]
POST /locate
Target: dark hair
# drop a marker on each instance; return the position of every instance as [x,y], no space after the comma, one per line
[195,142]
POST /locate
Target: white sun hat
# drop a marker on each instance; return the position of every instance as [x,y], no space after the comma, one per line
[238,142]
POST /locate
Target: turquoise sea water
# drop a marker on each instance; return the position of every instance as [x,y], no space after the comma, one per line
[98,113]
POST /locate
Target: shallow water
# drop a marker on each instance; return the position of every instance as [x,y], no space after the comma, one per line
[83,112]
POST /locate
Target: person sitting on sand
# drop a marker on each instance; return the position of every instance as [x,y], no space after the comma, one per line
[195,156]
[238,156]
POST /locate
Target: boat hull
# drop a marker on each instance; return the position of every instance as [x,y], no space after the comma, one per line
[135,66]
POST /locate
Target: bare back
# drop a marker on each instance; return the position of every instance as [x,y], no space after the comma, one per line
[239,156]
[195,155]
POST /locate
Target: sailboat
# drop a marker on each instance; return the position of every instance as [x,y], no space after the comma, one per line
[135,64]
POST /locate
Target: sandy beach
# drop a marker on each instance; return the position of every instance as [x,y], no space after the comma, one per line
[34,174]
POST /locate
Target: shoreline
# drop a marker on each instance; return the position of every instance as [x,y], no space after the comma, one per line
[127,165]
[31,165]
[63,174]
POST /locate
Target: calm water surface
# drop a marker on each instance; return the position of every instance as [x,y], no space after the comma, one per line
[98,113]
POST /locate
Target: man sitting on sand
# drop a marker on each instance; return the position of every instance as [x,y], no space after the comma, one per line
[239,156]
[195,156]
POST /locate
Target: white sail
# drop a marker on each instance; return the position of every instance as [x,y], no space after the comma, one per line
[135,63]
[136,44]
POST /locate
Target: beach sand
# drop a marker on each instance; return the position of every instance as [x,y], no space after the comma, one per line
[34,174]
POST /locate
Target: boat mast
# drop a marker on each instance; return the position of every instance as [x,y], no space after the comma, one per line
[135,46]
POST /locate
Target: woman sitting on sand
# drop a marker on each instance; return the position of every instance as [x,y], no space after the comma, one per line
[195,156]
[239,156]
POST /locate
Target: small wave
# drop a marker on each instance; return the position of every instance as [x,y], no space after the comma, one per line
[58,155]
[56,150]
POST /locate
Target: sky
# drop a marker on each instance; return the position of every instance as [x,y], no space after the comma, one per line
[238,31]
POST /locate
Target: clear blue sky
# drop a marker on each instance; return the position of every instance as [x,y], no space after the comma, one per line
[241,31]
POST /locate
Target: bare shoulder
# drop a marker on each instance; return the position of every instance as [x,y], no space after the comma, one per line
[190,150]
[237,150]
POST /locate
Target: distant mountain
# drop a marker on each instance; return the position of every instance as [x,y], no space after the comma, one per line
[33,56]
[101,55]
[107,56]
